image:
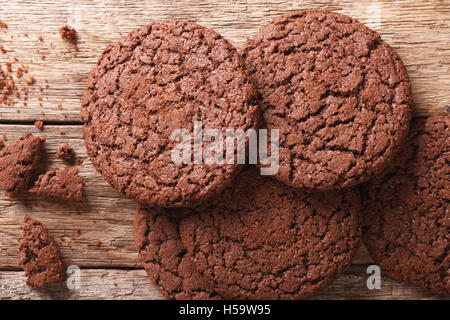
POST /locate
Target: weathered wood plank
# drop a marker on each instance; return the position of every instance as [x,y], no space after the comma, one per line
[134,284]
[107,216]
[418,30]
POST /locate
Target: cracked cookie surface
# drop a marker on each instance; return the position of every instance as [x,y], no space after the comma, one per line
[157,79]
[166,261]
[265,240]
[339,95]
[406,216]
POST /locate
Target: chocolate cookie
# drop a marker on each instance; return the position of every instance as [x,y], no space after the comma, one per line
[39,255]
[60,184]
[407,219]
[158,79]
[165,259]
[265,240]
[19,162]
[339,95]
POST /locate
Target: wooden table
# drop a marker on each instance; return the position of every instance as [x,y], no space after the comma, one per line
[419,30]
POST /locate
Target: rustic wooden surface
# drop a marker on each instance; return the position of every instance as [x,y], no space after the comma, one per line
[419,31]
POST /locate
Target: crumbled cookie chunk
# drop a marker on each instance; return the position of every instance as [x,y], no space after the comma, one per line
[68,33]
[39,255]
[19,162]
[60,184]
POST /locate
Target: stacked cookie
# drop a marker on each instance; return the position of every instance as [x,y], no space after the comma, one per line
[340,99]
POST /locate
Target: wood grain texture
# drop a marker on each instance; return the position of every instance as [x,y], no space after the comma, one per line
[133,284]
[419,31]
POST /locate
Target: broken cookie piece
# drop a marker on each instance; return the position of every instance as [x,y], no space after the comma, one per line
[65,152]
[19,162]
[39,255]
[60,184]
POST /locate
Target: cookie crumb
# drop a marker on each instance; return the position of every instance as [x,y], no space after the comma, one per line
[30,80]
[65,152]
[19,72]
[68,33]
[3,25]
[98,243]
